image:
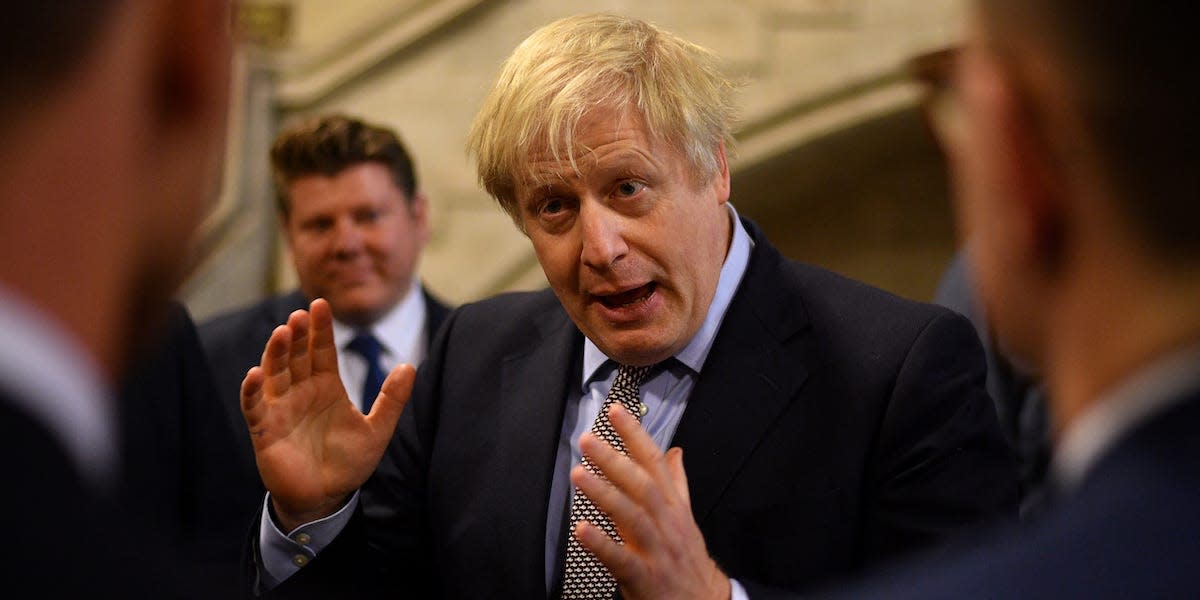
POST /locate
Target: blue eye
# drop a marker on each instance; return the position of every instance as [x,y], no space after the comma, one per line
[552,206]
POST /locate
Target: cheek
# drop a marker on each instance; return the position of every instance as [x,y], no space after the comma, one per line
[306,253]
[559,258]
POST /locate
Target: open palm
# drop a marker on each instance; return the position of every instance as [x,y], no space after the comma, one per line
[313,446]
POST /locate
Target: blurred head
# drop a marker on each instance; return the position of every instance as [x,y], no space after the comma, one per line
[351,213]
[604,138]
[1076,137]
[114,116]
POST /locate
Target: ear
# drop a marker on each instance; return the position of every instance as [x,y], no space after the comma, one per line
[720,181]
[1037,202]
[193,70]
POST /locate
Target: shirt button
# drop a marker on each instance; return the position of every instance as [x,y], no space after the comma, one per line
[303,539]
[299,560]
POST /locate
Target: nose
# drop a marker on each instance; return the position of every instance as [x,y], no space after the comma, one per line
[603,239]
[347,238]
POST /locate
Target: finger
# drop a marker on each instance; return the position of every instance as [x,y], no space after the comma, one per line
[298,361]
[633,518]
[640,447]
[322,346]
[678,475]
[638,444]
[277,378]
[622,472]
[252,407]
[621,561]
[393,397]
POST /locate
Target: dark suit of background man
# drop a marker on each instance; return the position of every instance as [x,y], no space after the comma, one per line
[1073,145]
[828,426]
[111,133]
[355,223]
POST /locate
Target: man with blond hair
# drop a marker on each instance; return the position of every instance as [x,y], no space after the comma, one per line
[829,426]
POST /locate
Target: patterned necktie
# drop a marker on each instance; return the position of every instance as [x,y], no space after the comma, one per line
[584,577]
[365,345]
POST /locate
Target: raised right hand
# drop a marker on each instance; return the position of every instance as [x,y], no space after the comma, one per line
[313,446]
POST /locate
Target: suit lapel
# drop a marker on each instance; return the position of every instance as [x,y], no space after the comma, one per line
[534,386]
[748,379]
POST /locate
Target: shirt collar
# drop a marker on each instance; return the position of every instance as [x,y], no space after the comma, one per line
[1117,412]
[696,351]
[395,330]
[59,385]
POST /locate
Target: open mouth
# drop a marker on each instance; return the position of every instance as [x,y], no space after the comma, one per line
[628,297]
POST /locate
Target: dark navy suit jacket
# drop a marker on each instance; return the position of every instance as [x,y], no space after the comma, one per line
[1130,530]
[168,529]
[834,426]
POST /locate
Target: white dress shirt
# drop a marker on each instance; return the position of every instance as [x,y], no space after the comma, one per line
[401,332]
[56,382]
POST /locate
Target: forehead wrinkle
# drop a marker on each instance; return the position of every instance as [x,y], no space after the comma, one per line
[622,139]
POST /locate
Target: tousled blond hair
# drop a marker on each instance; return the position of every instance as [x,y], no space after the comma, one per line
[573,65]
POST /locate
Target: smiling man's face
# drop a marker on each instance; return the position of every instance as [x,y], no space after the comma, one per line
[355,240]
[631,242]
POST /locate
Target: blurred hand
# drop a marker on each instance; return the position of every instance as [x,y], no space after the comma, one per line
[663,555]
[313,446]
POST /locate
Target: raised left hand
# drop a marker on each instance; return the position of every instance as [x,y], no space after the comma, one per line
[663,554]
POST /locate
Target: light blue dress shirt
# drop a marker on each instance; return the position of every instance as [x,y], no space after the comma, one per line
[665,394]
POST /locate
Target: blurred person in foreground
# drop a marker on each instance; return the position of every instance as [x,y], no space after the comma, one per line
[355,223]
[829,427]
[1072,136]
[1019,397]
[113,122]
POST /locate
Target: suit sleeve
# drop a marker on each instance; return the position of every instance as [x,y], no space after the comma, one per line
[941,465]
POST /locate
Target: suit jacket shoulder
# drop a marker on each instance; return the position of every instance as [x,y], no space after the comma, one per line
[1129,531]
[52,509]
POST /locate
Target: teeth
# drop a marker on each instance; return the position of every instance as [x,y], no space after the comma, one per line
[627,298]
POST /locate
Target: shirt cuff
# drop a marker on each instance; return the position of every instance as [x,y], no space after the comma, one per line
[736,591]
[284,554]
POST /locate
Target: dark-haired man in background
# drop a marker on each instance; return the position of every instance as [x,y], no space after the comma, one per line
[355,223]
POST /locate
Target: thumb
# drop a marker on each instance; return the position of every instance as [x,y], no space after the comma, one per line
[393,397]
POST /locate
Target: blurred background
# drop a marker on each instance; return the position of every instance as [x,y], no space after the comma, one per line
[834,158]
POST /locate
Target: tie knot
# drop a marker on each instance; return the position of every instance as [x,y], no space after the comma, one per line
[366,346]
[630,377]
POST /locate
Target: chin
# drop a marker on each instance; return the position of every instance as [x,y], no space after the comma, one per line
[357,313]
[642,348]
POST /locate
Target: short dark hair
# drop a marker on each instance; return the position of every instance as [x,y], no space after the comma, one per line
[328,145]
[44,41]
[1129,67]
